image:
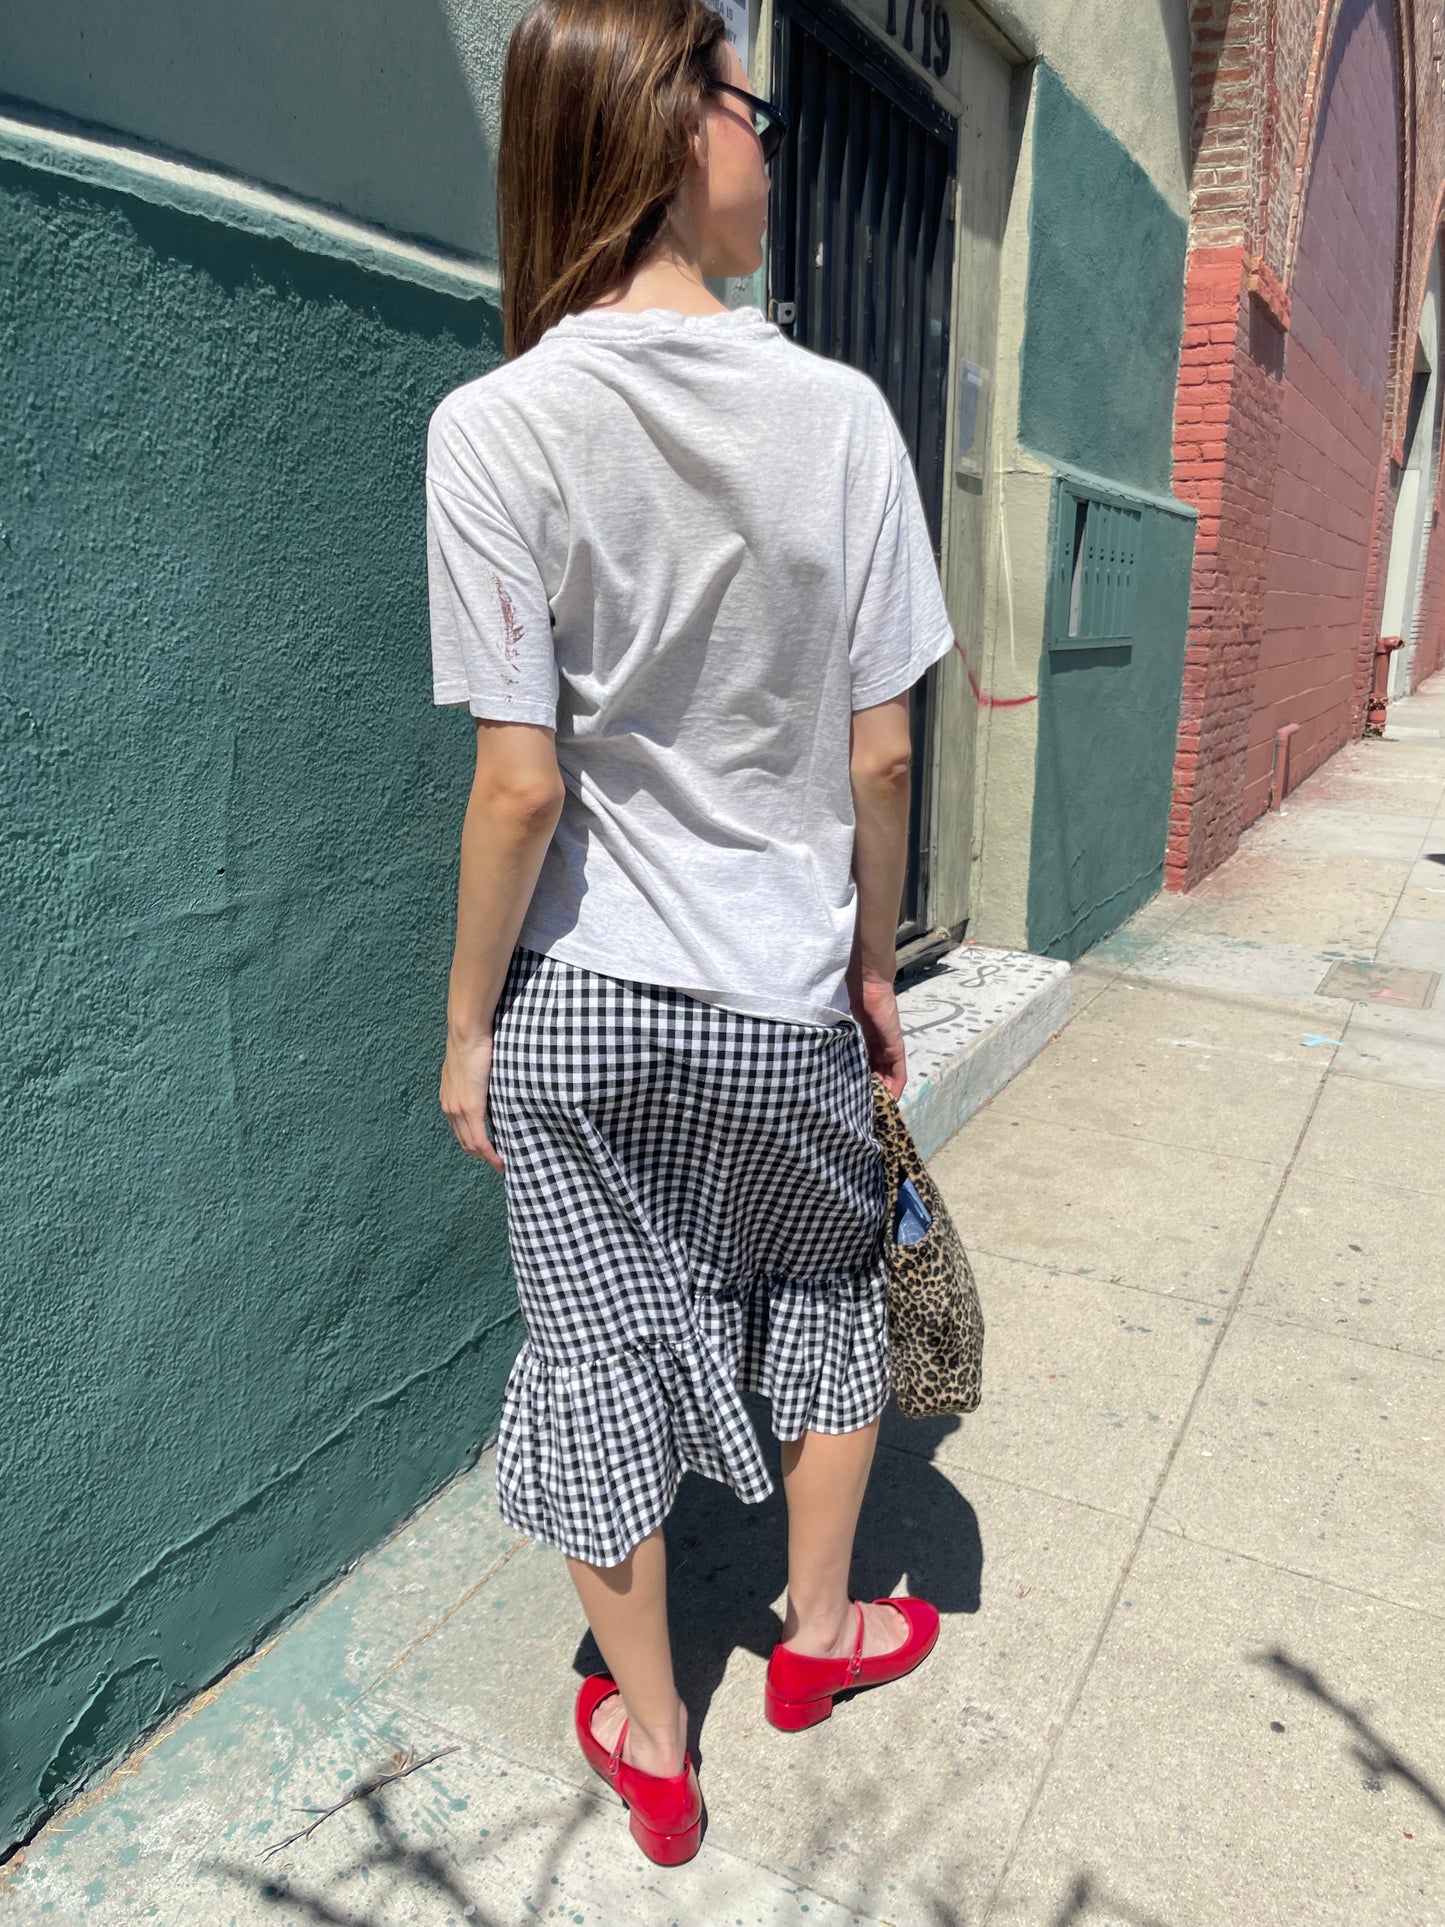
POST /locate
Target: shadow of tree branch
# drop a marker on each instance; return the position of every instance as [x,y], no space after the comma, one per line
[413,1869]
[1372,1750]
[1086,1894]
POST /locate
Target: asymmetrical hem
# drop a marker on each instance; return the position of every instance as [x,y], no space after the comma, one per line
[695,1200]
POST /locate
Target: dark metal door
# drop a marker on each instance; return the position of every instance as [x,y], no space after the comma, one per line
[861,243]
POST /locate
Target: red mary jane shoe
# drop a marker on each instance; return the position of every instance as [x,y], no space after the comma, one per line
[800,1688]
[665,1809]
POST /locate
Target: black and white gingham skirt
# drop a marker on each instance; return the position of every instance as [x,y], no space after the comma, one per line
[695,1203]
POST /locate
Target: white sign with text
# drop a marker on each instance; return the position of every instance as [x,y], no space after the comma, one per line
[735,19]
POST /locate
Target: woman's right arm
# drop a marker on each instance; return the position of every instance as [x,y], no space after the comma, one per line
[880,769]
[516,799]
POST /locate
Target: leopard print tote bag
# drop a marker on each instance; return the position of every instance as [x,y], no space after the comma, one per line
[935,1322]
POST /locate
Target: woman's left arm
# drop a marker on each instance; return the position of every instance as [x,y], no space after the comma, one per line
[516,799]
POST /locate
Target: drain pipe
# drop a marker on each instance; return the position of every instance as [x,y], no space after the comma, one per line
[1380,694]
[1279,773]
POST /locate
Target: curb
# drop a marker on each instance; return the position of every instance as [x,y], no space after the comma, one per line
[971,1021]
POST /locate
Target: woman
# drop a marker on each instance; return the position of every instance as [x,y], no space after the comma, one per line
[680,575]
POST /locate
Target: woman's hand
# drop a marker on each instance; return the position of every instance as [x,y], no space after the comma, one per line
[876,1008]
[466,1074]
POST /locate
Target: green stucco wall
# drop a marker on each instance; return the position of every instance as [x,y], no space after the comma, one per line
[1098,370]
[1100,353]
[388,111]
[1108,723]
[1128,64]
[259,1305]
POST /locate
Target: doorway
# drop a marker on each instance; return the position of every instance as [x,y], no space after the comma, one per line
[861,268]
[1415,503]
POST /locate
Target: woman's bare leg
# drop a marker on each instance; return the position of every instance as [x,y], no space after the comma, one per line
[626,1607]
[825,1476]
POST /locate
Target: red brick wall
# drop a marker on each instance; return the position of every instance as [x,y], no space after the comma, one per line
[1228,84]
[1226,429]
[1260,234]
[1328,467]
[1298,33]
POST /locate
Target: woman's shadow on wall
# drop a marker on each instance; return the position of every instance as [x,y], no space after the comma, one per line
[727,1562]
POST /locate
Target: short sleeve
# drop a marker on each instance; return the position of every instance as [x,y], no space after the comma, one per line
[491,625]
[902,625]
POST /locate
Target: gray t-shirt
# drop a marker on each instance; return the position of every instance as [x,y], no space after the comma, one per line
[693,547]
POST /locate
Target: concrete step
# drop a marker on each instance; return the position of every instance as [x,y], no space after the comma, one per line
[971,1021]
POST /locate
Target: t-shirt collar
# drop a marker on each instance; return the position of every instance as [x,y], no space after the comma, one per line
[614,324]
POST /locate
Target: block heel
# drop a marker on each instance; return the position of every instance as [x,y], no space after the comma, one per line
[793,1716]
[800,1687]
[667,1849]
[664,1810]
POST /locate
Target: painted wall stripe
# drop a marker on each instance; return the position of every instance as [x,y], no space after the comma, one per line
[982,696]
[36,140]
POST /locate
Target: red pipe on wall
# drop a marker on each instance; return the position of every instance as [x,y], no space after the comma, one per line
[1379,695]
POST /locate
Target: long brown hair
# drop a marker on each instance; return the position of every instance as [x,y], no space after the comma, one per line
[598,98]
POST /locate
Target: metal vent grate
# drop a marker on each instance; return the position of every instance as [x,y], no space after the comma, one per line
[1096,562]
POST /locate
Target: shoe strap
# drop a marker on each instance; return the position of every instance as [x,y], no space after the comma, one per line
[614,1765]
[855,1664]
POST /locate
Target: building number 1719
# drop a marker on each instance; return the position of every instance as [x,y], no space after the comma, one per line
[934,47]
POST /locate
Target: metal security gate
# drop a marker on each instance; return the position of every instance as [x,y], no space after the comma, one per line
[861,246]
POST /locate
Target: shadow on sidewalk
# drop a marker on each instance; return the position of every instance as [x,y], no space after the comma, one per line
[1086,1900]
[727,1562]
[380,1843]
[1371,1750]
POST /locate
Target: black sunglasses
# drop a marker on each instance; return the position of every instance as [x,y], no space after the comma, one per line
[774,120]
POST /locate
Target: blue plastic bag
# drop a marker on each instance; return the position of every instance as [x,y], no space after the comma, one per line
[911,1217]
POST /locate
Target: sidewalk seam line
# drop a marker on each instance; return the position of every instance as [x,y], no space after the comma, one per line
[1140,1137]
[1095,1277]
[1275,1003]
[1187,1419]
[1433,1090]
[451,1611]
[1013,1485]
[1115,1137]
[1345,1338]
[1298,1572]
[1417,859]
[1328,1175]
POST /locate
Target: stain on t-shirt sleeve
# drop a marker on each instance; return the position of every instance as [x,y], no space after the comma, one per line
[491,627]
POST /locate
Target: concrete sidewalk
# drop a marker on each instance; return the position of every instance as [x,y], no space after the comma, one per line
[1189,1549]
